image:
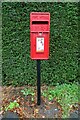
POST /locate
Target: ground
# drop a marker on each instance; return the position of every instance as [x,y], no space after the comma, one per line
[28,107]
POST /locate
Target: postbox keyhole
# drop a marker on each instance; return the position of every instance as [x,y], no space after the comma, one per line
[40,33]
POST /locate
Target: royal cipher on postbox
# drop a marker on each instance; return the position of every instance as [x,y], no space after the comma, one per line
[39,35]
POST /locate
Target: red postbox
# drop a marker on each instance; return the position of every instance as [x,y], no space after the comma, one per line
[39,35]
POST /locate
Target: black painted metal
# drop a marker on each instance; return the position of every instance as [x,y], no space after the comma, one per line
[38,83]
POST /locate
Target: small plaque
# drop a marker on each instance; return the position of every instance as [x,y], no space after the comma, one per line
[39,44]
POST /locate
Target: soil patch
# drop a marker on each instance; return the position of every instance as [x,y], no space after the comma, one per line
[28,108]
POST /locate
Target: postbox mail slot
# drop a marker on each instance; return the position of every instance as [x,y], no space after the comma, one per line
[40,22]
[40,26]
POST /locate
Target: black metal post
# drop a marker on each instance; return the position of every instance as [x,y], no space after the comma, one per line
[38,83]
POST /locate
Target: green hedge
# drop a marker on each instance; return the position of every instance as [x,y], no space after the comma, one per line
[62,66]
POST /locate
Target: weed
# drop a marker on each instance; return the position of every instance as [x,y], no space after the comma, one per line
[27,92]
[66,95]
[11,106]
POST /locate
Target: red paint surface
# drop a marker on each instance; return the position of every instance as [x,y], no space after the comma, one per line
[39,27]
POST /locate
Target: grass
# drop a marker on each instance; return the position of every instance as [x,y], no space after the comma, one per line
[66,94]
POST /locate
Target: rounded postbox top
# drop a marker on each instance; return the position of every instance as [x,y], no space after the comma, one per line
[40,13]
[39,16]
[39,21]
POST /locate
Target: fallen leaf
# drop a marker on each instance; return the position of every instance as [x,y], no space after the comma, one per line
[36,112]
[47,107]
[32,105]
[1,112]
[27,103]
[13,98]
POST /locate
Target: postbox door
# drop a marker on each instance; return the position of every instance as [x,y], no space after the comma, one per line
[40,45]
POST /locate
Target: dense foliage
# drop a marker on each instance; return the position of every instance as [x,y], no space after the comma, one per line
[62,66]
